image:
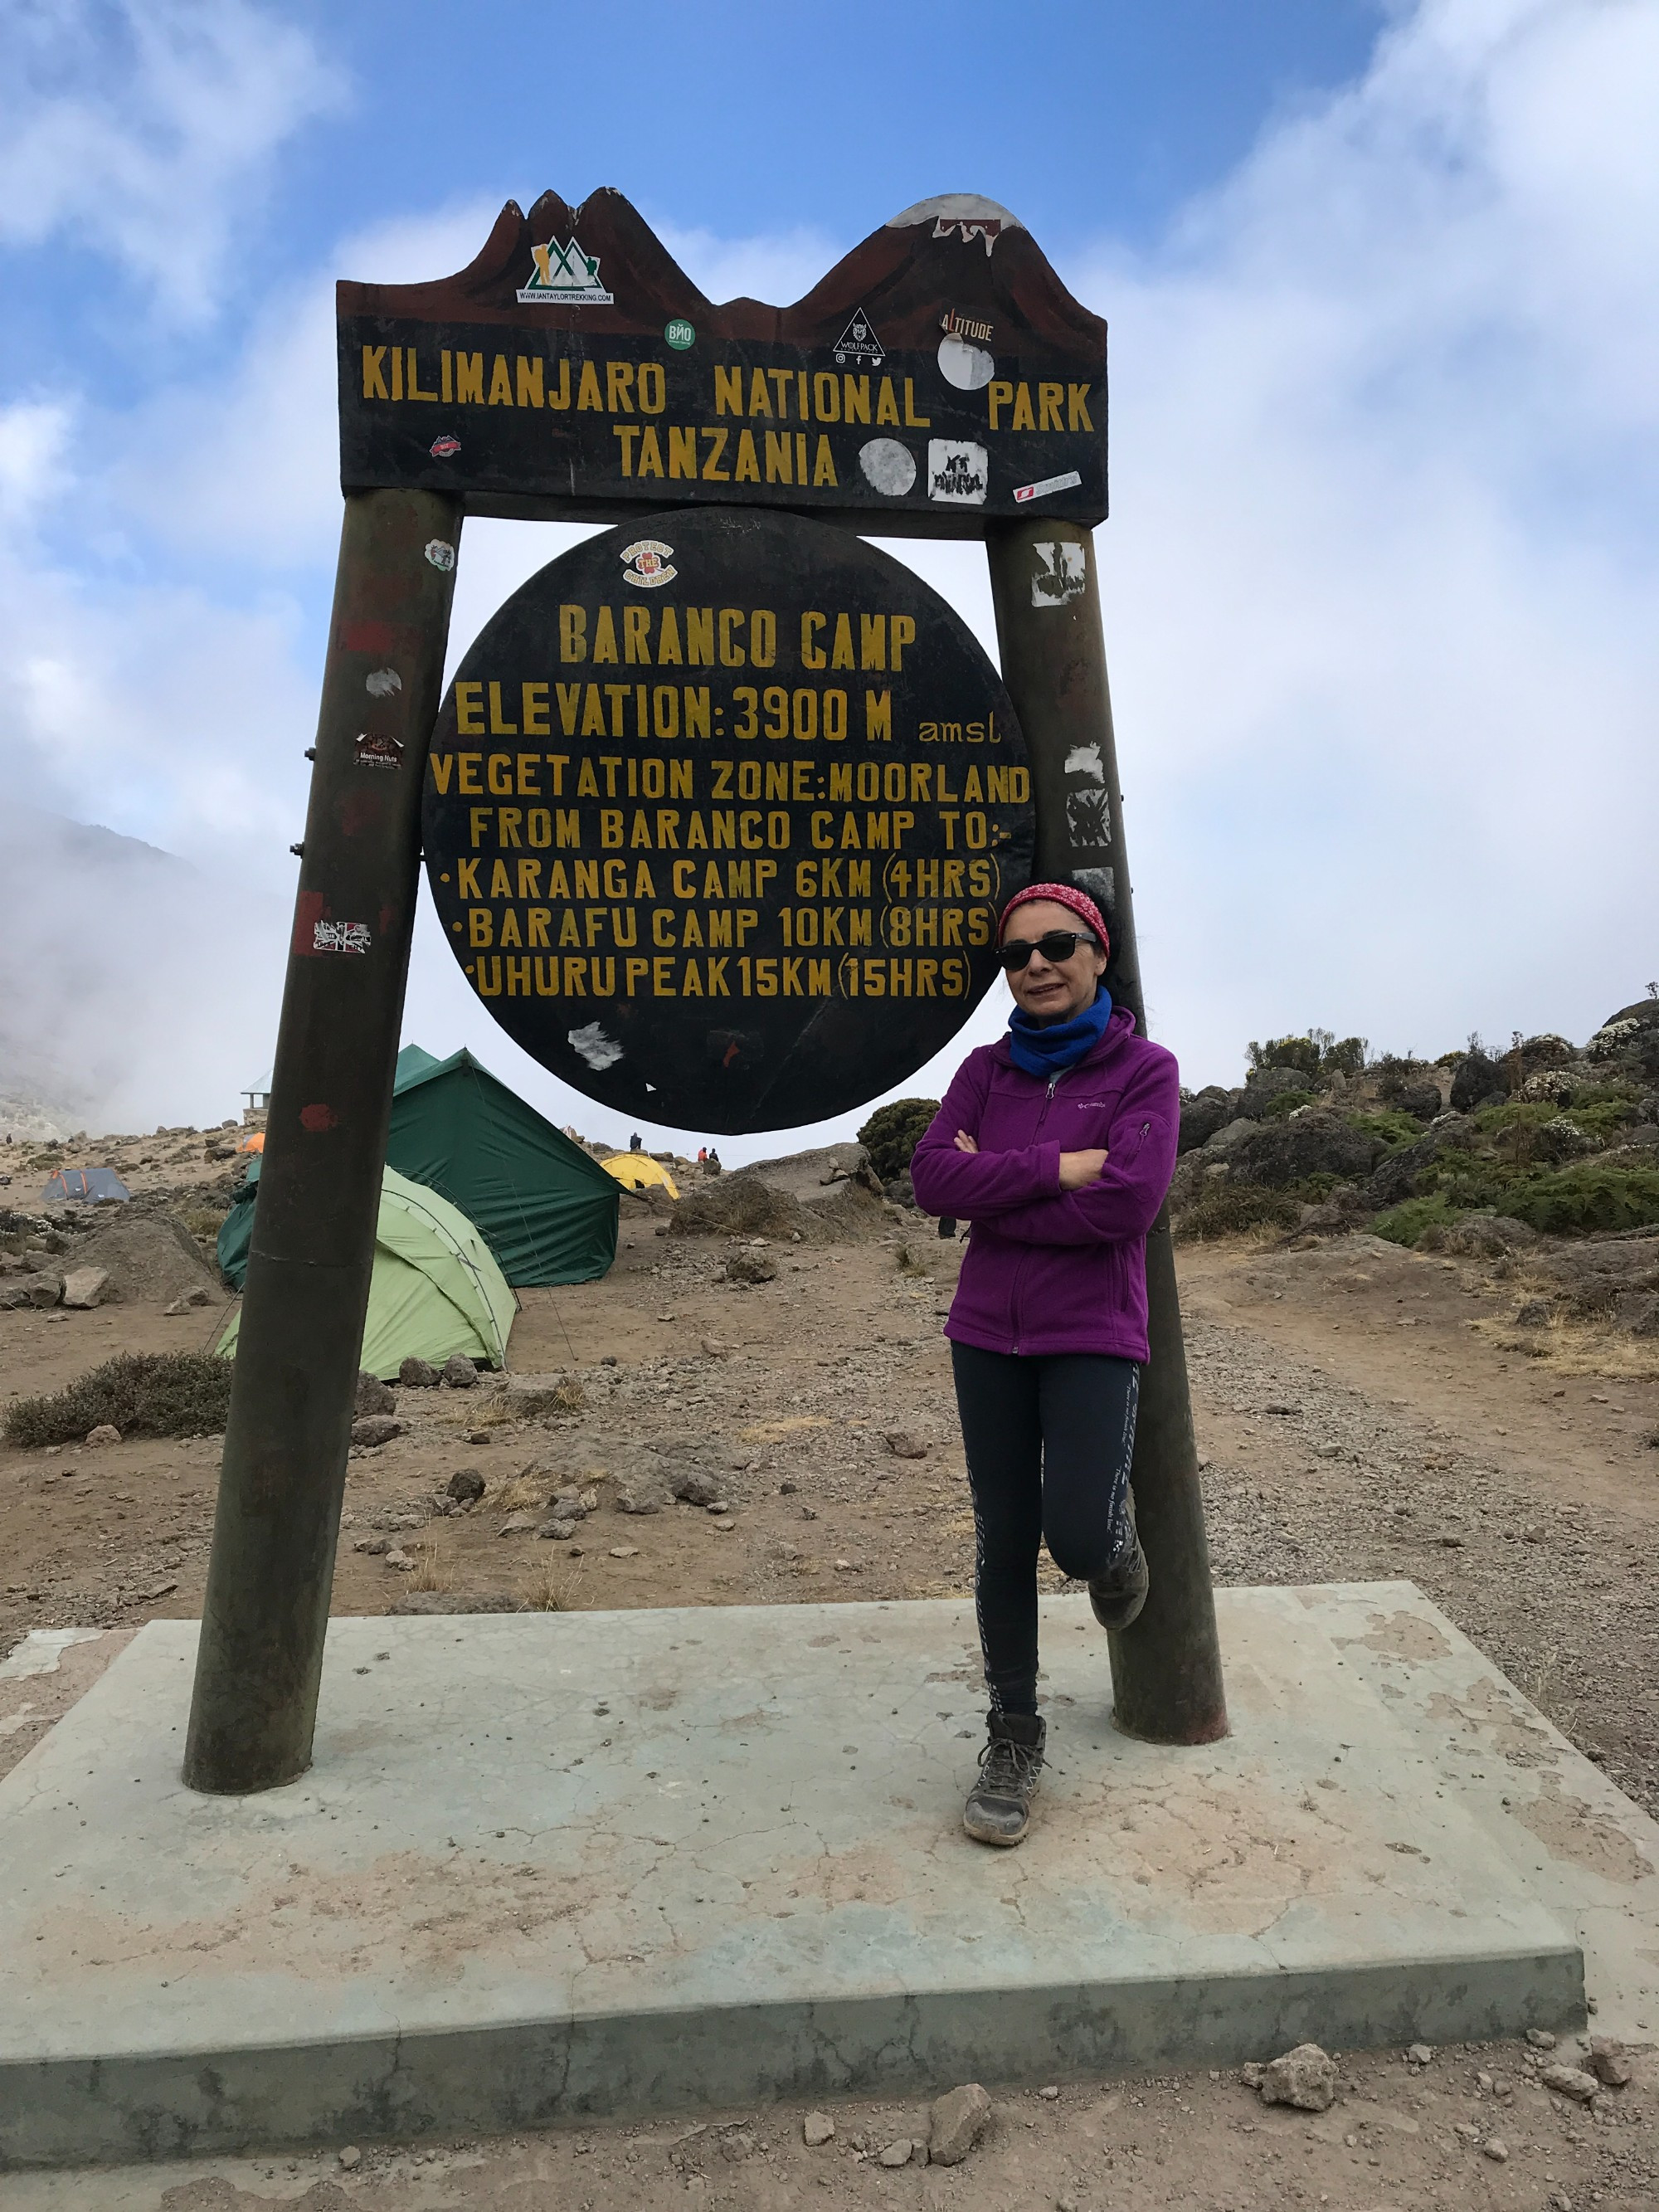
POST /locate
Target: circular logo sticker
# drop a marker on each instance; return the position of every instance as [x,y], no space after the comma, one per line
[679,334]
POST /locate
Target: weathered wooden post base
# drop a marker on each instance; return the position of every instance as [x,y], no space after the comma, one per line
[1166,1669]
[265,1614]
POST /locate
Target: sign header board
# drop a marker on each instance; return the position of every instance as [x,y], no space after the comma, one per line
[719,814]
[938,379]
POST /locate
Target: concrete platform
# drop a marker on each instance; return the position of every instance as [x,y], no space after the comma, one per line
[558,1864]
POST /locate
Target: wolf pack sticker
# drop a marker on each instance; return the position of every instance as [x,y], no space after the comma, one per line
[859,346]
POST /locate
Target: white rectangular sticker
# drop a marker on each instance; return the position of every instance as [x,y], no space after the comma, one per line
[1072,478]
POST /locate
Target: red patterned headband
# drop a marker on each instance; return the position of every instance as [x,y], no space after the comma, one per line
[1079,902]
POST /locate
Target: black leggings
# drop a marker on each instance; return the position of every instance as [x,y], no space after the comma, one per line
[1049,1442]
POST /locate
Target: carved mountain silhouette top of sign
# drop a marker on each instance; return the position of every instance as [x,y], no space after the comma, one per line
[938,378]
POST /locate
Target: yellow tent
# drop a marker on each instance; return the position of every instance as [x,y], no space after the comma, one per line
[635,1171]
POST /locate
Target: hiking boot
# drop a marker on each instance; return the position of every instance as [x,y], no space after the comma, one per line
[1118,1595]
[998,1807]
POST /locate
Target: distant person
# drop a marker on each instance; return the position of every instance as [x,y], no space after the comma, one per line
[1056,1145]
[634,1144]
[702,1155]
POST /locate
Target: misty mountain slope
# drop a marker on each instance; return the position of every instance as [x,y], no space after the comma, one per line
[134,987]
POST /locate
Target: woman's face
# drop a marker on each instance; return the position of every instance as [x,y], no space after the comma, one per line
[1052,990]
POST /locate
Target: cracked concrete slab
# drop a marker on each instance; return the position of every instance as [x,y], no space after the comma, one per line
[549,1865]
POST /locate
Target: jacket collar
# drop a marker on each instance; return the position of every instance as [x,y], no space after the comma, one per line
[1119,1032]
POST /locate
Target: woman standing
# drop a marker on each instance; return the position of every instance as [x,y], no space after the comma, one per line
[1056,1144]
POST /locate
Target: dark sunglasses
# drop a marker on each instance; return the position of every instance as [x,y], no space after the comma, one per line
[1055,945]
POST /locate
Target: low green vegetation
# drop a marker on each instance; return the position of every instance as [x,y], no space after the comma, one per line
[1388,1126]
[1286,1103]
[142,1394]
[1405,1223]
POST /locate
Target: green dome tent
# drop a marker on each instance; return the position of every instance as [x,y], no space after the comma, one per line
[549,1210]
[435,1290]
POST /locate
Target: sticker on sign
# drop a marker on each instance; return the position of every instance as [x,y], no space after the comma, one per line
[1066,482]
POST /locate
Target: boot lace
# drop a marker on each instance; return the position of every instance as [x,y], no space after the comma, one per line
[1008,1769]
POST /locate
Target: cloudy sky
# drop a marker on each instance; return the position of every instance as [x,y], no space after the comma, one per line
[1380,580]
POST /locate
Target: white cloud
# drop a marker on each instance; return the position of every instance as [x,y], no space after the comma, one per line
[1380,582]
[141,130]
[33,434]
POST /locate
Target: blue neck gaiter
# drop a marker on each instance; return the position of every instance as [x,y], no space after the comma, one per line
[1050,1051]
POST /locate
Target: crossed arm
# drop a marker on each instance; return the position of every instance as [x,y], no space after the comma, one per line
[1040,1195]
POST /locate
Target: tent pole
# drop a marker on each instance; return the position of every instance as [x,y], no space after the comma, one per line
[265,1615]
[1166,1669]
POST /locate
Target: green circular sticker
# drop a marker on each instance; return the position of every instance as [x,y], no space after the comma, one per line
[679,334]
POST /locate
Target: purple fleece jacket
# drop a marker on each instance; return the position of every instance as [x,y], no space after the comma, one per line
[1048,1270]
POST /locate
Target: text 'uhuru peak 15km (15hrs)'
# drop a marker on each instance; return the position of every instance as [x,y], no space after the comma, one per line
[938,378]
[719,814]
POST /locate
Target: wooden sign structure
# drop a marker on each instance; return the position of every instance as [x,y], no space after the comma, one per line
[940,381]
[939,378]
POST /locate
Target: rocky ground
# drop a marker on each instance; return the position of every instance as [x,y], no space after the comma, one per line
[1364,1410]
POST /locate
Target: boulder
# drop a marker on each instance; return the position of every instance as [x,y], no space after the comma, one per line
[1227,1139]
[693,1487]
[1263,1084]
[956,2123]
[85,1287]
[105,1433]
[1474,1077]
[377,1430]
[1422,1100]
[1313,1142]
[1304,2077]
[458,1372]
[1203,1114]
[1394,1177]
[816,2130]
[465,1486]
[374,1396]
[751,1267]
[43,1290]
[419,1375]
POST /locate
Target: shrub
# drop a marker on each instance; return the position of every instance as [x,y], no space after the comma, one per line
[1225,1209]
[142,1394]
[1346,1056]
[1388,1126]
[1590,1196]
[1405,1223]
[1300,1053]
[1286,1103]
[892,1134]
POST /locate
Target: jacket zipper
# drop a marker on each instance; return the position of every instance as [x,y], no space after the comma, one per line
[1013,1300]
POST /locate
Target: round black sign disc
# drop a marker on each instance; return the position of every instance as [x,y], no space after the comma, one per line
[719,814]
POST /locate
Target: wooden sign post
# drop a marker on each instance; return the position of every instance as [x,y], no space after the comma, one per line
[730,869]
